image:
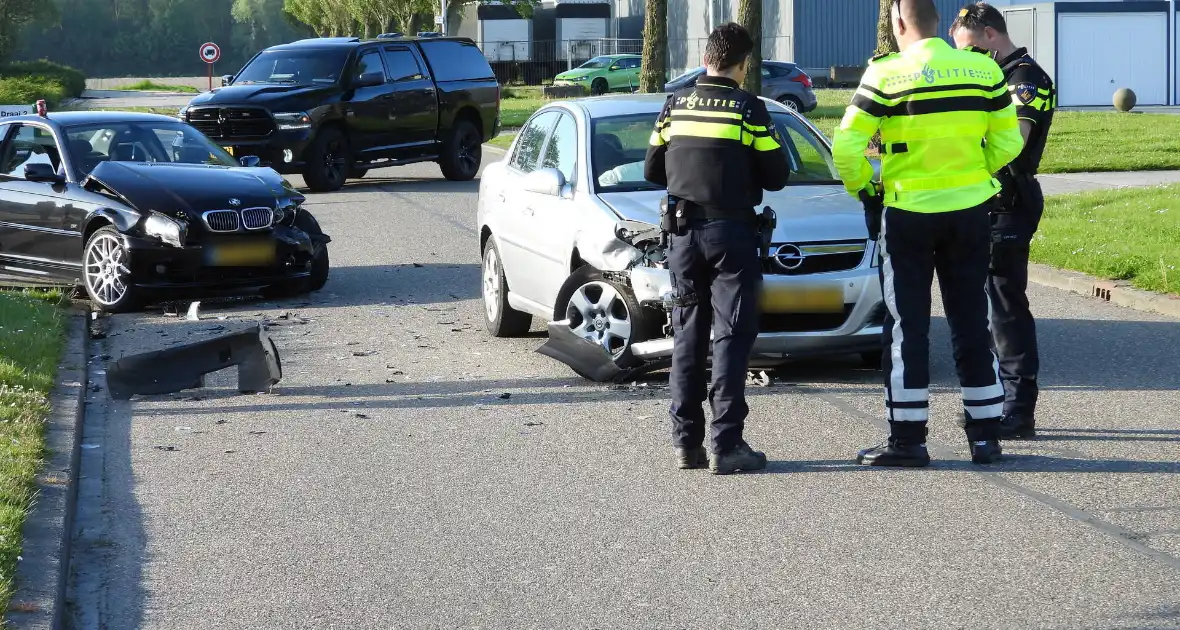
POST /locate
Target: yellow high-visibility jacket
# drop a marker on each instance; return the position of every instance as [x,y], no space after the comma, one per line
[947,125]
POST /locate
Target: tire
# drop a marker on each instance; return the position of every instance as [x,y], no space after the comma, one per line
[598,87]
[357,173]
[462,152]
[328,161]
[792,103]
[596,289]
[500,319]
[105,274]
[320,266]
[872,359]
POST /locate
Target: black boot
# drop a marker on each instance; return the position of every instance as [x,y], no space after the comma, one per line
[689,458]
[741,457]
[983,437]
[906,447]
[1018,426]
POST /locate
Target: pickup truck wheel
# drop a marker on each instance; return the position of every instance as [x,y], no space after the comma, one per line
[461,153]
[357,173]
[598,87]
[328,161]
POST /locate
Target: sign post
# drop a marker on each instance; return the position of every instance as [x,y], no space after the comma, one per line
[210,53]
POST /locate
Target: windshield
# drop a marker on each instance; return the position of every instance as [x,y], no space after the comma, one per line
[141,142]
[294,67]
[690,73]
[619,146]
[597,62]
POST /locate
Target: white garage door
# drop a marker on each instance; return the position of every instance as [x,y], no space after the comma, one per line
[1098,53]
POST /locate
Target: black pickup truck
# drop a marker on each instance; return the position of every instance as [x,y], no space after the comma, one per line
[332,108]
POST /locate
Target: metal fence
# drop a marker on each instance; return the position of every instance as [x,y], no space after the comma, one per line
[537,62]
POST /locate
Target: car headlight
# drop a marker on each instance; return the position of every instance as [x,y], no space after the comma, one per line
[292,121]
[165,228]
[182,114]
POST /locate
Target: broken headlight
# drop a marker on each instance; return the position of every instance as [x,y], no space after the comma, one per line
[165,228]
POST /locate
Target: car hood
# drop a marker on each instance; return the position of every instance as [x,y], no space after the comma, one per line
[576,74]
[267,94]
[805,213]
[193,188]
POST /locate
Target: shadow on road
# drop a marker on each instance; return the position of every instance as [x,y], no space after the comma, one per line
[384,181]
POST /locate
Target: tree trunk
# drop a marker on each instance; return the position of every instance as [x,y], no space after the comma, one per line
[750,16]
[655,46]
[885,41]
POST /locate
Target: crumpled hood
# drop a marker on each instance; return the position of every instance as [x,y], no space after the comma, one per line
[265,94]
[193,188]
[805,213]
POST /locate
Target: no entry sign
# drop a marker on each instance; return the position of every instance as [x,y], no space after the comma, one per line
[210,53]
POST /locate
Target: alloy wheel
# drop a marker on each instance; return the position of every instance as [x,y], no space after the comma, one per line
[468,145]
[106,273]
[491,284]
[599,314]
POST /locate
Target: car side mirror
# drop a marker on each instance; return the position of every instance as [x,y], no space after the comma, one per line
[613,68]
[546,181]
[226,79]
[41,172]
[369,79]
[250,161]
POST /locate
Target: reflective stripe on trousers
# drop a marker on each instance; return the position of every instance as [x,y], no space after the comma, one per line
[914,247]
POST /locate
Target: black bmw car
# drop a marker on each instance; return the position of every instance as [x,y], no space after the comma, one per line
[135,205]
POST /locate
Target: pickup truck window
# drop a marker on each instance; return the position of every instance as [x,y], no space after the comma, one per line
[368,63]
[297,67]
[402,64]
[452,60]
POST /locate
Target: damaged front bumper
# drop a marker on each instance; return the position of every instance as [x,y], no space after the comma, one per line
[284,253]
[801,316]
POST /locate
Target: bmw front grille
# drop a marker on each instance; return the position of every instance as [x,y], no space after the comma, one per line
[221,220]
[257,218]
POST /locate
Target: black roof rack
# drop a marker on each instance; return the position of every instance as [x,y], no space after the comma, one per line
[390,35]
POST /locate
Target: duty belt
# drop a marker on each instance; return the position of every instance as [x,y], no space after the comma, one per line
[695,211]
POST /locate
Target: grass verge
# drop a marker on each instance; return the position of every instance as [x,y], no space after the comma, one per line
[25,82]
[1127,234]
[148,85]
[31,339]
[502,141]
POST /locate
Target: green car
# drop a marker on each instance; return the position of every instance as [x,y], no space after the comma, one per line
[604,74]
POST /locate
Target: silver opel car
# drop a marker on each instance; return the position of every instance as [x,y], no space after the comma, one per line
[568,231]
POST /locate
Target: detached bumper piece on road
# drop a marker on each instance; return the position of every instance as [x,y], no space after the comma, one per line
[184,367]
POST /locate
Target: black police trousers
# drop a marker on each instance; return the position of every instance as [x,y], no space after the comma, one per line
[915,246]
[716,272]
[1013,328]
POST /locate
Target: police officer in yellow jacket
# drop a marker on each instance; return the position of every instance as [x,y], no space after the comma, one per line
[947,125]
[716,149]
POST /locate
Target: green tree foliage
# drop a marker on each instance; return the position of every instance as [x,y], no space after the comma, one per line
[114,38]
[15,16]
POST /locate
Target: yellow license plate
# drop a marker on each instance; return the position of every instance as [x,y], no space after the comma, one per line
[229,150]
[242,254]
[802,299]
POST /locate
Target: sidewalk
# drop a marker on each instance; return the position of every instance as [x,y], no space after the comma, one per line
[1063,183]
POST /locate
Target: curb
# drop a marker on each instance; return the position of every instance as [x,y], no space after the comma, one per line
[1113,291]
[42,575]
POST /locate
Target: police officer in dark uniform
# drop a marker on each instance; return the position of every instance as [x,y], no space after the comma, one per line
[716,149]
[1017,215]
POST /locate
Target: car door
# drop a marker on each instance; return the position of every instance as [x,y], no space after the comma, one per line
[40,229]
[514,226]
[369,109]
[632,73]
[551,219]
[415,115]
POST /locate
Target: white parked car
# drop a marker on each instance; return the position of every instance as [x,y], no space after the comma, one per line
[568,232]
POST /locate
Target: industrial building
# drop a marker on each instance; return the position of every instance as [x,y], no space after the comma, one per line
[1091,48]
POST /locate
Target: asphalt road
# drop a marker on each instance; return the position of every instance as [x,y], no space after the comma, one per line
[400,489]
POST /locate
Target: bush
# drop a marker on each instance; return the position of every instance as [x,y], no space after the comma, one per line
[73,81]
[28,90]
